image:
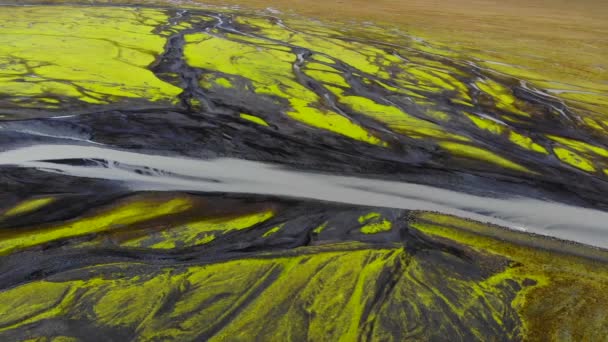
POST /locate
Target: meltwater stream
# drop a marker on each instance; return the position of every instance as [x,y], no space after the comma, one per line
[142,172]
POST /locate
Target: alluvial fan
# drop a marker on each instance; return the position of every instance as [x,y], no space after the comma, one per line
[386,188]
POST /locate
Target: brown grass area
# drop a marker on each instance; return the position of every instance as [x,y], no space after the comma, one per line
[561,39]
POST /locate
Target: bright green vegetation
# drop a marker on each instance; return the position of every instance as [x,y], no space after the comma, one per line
[128,213]
[581,146]
[255,119]
[502,130]
[320,228]
[396,119]
[579,154]
[377,227]
[92,55]
[472,152]
[28,206]
[197,233]
[574,159]
[501,95]
[272,231]
[374,224]
[137,222]
[270,71]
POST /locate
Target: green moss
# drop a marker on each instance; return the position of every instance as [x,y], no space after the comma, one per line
[336,297]
[198,232]
[328,77]
[209,81]
[377,227]
[129,305]
[26,300]
[374,224]
[271,73]
[499,129]
[272,231]
[472,152]
[29,205]
[124,214]
[438,81]
[438,115]
[501,95]
[368,216]
[320,228]
[323,59]
[395,118]
[96,55]
[64,339]
[254,119]
[574,159]
[224,82]
[580,146]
